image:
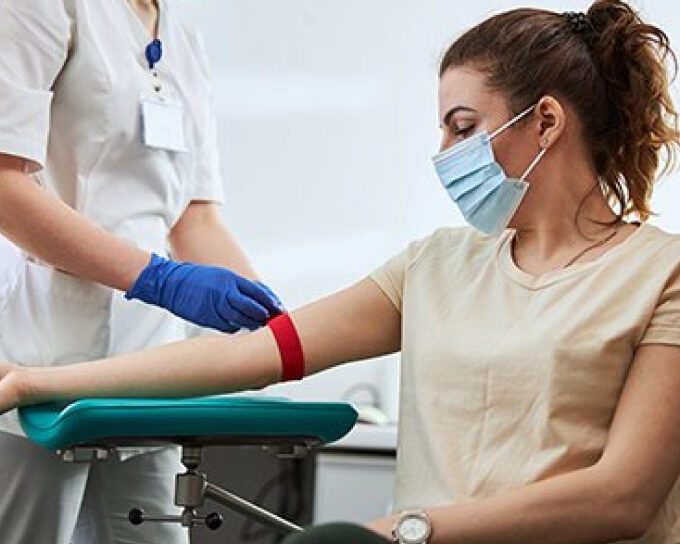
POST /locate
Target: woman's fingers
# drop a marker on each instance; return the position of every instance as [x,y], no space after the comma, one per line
[6,368]
[10,387]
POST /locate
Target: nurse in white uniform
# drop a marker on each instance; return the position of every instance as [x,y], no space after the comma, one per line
[108,160]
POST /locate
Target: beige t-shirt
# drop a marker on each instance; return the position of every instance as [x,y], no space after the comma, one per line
[509,378]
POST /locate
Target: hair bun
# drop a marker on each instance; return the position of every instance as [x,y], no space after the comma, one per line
[581,25]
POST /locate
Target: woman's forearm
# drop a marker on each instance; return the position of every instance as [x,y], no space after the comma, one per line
[581,507]
[201,366]
[356,323]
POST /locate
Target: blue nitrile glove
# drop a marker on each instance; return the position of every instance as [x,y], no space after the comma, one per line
[276,299]
[205,295]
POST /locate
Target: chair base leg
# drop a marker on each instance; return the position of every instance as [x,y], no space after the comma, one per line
[191,490]
[248,509]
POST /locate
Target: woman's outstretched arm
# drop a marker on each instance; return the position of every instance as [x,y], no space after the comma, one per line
[356,323]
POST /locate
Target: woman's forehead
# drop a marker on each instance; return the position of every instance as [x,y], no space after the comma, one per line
[465,87]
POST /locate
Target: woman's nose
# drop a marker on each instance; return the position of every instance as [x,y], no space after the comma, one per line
[447,141]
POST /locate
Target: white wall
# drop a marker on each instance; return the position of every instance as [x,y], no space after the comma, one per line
[327,120]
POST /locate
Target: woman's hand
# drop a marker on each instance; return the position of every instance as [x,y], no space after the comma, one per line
[13,387]
[383,527]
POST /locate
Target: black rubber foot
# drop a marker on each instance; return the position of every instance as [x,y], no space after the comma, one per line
[136,516]
[213,521]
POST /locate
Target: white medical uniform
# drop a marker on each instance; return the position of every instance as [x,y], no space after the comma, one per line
[71,76]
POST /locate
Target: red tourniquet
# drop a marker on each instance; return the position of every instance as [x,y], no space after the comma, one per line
[290,347]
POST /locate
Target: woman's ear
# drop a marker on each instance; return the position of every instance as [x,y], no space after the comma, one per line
[551,119]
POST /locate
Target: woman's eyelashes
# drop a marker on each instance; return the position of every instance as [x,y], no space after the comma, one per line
[456,130]
[463,132]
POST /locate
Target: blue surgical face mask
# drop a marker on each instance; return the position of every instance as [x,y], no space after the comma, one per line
[478,185]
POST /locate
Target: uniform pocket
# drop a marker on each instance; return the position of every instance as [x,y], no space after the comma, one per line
[11,268]
[79,319]
[52,318]
[24,319]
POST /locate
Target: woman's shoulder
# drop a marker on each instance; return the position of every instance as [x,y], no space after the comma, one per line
[464,235]
[653,254]
[449,243]
[660,234]
[658,243]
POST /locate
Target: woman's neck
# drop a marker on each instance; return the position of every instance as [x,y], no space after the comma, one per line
[562,225]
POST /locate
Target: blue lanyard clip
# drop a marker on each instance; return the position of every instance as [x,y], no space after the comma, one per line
[154,52]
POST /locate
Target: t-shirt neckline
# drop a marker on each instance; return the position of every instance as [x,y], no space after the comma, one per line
[508,266]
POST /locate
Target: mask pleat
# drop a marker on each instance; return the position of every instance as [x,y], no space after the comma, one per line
[469,199]
[462,147]
[493,213]
[460,166]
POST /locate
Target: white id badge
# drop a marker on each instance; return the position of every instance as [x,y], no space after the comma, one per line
[163,124]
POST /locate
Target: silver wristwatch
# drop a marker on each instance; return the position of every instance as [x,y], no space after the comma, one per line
[412,527]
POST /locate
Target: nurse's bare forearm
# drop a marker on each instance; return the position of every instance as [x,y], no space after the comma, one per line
[58,235]
[200,237]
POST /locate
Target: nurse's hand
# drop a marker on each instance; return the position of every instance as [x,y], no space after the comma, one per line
[205,295]
[274,298]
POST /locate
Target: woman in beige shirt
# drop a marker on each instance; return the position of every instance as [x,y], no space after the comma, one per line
[541,363]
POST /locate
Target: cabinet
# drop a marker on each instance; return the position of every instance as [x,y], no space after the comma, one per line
[353,486]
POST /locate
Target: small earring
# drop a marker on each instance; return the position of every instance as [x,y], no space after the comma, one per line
[544,143]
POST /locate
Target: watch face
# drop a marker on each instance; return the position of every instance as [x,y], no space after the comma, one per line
[413,530]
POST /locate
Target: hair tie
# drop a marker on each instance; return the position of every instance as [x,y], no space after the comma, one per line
[581,25]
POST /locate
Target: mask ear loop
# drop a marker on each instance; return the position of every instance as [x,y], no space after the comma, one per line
[512,121]
[533,164]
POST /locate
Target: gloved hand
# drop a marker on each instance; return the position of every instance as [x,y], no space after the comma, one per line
[276,299]
[205,295]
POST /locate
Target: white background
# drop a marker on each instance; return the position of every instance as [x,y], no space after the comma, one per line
[327,122]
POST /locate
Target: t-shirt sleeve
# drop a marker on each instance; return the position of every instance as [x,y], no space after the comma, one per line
[391,276]
[207,178]
[664,326]
[34,43]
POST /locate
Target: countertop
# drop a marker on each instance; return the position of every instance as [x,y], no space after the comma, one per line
[365,436]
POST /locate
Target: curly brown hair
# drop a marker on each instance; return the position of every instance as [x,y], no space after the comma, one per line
[609,65]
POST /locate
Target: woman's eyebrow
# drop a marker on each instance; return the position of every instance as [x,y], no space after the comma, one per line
[452,111]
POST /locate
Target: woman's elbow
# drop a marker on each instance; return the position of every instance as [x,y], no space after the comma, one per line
[636,523]
[633,514]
